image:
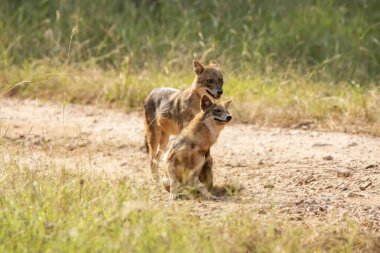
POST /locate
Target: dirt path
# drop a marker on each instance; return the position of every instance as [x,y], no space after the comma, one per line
[308,177]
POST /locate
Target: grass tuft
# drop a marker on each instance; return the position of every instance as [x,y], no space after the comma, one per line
[280,101]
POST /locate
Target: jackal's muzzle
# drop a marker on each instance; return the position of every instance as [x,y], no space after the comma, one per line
[224,119]
[213,94]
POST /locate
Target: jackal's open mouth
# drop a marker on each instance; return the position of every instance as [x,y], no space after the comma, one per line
[220,120]
[212,95]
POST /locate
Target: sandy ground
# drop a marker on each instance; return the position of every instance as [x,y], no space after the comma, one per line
[307,177]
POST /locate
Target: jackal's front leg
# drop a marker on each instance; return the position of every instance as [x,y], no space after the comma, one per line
[206,176]
[174,183]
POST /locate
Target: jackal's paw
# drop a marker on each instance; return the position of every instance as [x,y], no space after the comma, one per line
[213,197]
[173,196]
[155,178]
[165,182]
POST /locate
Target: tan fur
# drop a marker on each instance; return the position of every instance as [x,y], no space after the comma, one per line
[167,111]
[187,153]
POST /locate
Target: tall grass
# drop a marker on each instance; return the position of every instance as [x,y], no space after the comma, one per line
[328,39]
[285,62]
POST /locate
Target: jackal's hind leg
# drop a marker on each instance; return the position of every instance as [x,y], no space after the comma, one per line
[202,189]
[153,138]
[164,139]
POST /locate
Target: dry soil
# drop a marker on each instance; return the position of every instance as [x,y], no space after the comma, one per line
[307,177]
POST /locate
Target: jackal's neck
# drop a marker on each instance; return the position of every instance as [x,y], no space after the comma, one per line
[213,129]
[193,91]
[192,97]
[203,131]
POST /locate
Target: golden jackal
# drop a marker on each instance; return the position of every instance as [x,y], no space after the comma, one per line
[168,111]
[186,155]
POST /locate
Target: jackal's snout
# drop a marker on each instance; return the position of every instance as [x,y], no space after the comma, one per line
[215,90]
[223,118]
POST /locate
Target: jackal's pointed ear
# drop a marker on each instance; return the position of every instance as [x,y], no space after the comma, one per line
[198,68]
[205,102]
[227,104]
[214,64]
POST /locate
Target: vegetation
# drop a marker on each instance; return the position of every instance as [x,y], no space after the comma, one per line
[333,39]
[286,62]
[285,100]
[52,210]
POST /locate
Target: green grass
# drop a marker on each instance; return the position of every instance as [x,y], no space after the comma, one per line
[45,208]
[330,39]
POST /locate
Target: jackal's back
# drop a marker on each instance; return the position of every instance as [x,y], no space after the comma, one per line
[159,100]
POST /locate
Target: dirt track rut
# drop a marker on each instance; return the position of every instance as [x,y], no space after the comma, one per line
[304,176]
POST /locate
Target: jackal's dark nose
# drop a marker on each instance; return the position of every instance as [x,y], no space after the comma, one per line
[220,92]
[229,118]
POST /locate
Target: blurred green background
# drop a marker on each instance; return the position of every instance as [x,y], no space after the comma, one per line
[333,40]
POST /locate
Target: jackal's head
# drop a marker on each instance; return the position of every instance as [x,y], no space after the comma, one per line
[219,113]
[208,79]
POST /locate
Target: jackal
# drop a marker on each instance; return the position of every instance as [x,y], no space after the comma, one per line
[186,155]
[167,111]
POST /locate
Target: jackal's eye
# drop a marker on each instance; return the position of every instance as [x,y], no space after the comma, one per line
[217,110]
[210,80]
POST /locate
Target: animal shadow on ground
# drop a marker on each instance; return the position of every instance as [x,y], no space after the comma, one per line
[222,192]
